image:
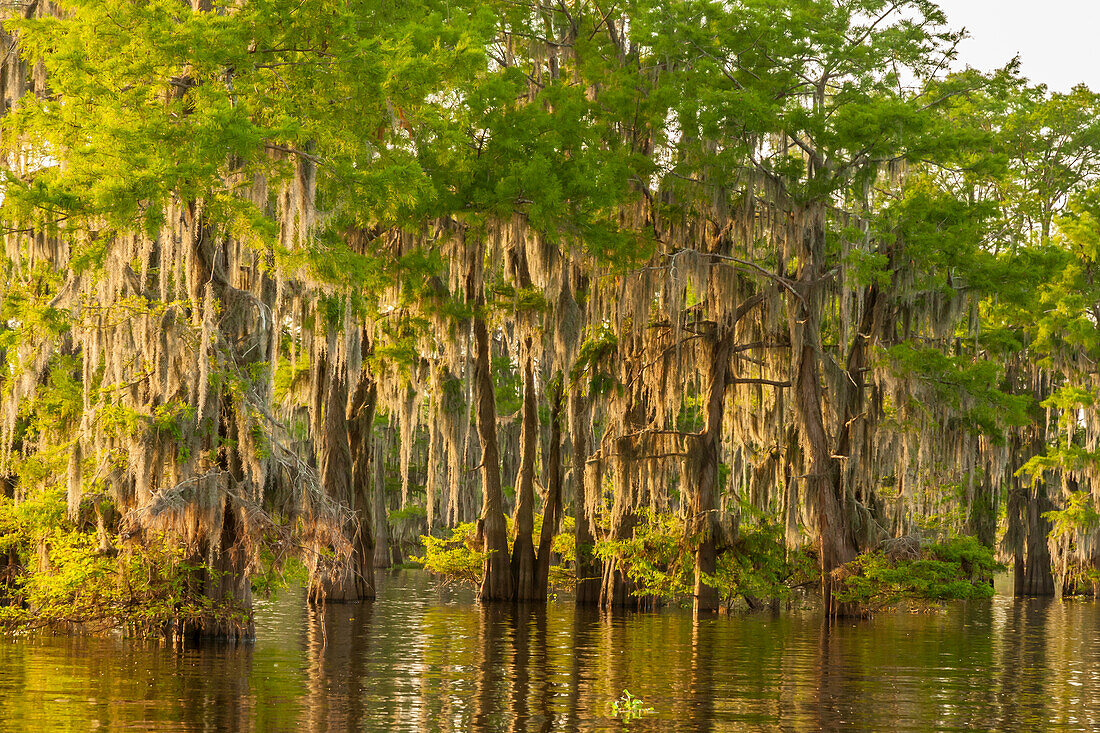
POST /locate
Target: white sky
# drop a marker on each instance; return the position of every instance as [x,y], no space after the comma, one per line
[1058,41]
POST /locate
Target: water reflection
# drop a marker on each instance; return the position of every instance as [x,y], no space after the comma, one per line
[425,659]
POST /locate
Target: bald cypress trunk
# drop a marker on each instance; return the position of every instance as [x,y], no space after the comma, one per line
[1037,577]
[335,468]
[227,580]
[587,570]
[496,584]
[981,513]
[617,590]
[551,513]
[382,558]
[853,420]
[705,503]
[360,417]
[825,476]
[523,550]
[1026,534]
[707,454]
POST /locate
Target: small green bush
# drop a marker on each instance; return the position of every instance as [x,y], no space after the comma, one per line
[660,560]
[456,558]
[759,565]
[958,569]
[146,591]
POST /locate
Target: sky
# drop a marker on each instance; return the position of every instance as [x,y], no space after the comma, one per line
[1058,41]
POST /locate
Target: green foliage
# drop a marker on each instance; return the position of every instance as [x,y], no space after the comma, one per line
[608,132]
[589,371]
[288,377]
[277,573]
[413,514]
[660,560]
[970,387]
[1077,522]
[760,566]
[563,574]
[62,576]
[1078,515]
[657,558]
[456,558]
[958,569]
[147,591]
[628,708]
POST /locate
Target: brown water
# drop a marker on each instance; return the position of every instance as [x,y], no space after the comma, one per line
[424,659]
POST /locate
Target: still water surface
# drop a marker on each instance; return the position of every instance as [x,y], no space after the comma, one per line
[421,658]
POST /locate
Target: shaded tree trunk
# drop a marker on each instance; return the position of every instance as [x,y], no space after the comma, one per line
[360,417]
[551,513]
[825,477]
[587,570]
[496,584]
[382,558]
[981,513]
[705,503]
[523,550]
[617,590]
[1027,531]
[852,424]
[705,520]
[335,468]
[227,580]
[1037,576]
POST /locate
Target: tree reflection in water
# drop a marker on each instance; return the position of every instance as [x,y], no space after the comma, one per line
[424,659]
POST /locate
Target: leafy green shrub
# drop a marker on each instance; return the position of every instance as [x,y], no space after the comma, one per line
[413,513]
[759,565]
[958,569]
[146,592]
[1073,525]
[457,558]
[563,574]
[658,558]
[275,574]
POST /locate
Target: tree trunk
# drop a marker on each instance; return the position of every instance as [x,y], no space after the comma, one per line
[523,550]
[587,569]
[360,417]
[551,513]
[435,473]
[617,590]
[705,504]
[1038,579]
[336,470]
[227,580]
[382,557]
[496,584]
[825,479]
[1027,530]
[852,424]
[981,514]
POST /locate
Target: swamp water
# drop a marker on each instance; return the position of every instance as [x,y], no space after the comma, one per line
[422,658]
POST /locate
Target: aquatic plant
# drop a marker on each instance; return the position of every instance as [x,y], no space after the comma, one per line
[628,708]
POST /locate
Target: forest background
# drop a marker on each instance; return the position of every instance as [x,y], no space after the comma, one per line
[696,300]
